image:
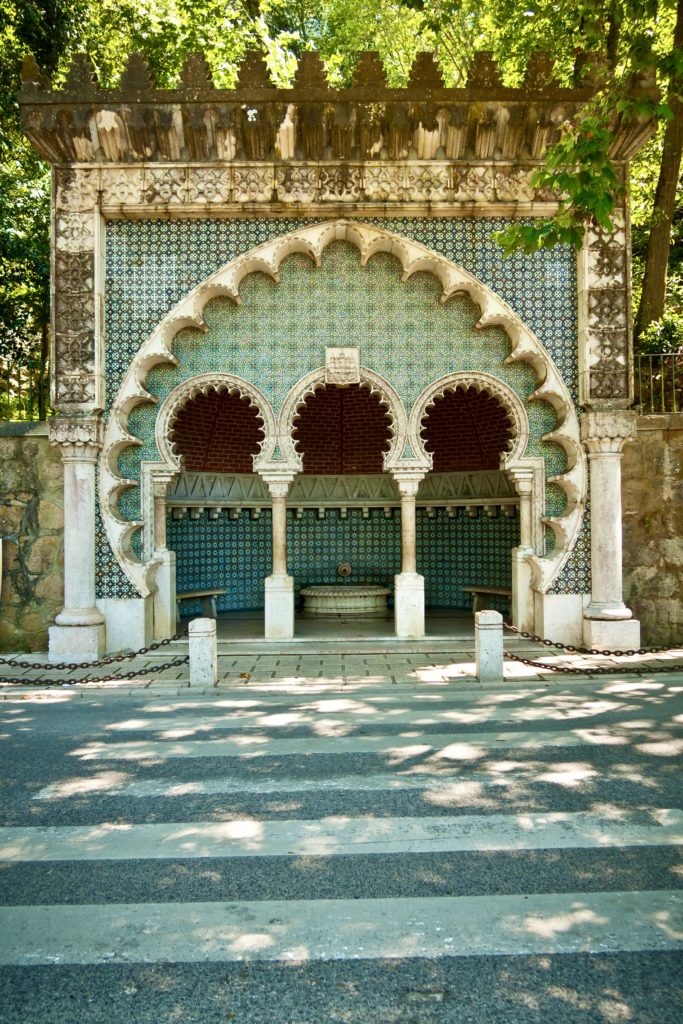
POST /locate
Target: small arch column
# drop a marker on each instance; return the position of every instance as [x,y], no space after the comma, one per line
[279,586]
[522,602]
[165,605]
[409,596]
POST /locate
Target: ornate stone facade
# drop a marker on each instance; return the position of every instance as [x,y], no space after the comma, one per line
[604,316]
[338,158]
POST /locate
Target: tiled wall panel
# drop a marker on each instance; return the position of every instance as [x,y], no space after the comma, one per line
[235,554]
[150,265]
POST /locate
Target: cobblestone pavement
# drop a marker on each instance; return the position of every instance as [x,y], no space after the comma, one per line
[324,664]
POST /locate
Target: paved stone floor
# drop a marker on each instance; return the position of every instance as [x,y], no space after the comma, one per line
[352,833]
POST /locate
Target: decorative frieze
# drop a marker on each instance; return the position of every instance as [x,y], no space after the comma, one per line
[75,232]
[166,186]
[124,187]
[80,191]
[604,315]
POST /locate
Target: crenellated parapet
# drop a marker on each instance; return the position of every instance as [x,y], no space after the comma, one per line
[256,122]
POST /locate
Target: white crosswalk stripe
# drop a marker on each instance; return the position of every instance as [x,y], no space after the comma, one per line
[482,749]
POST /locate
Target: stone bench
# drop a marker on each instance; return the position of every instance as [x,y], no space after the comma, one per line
[479,592]
[208,599]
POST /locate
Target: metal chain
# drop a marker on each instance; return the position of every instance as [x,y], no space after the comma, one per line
[584,650]
[72,665]
[100,679]
[597,671]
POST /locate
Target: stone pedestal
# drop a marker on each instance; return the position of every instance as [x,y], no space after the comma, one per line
[165,608]
[619,634]
[409,605]
[488,646]
[203,652]
[78,634]
[608,622]
[279,607]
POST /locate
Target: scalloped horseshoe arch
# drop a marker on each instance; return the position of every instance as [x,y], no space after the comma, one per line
[389,398]
[312,241]
[202,384]
[463,379]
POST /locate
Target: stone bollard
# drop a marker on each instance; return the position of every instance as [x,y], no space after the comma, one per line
[203,654]
[488,646]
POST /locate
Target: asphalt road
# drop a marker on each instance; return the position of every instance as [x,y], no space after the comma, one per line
[396,855]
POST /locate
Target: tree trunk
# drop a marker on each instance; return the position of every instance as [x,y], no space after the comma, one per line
[653,296]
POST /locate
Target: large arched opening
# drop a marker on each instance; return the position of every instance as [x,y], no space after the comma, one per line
[464,545]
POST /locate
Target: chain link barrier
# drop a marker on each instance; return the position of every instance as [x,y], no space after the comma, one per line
[112,677]
[72,666]
[598,670]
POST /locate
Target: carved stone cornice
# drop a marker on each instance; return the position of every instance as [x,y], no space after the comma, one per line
[605,432]
[80,440]
[256,121]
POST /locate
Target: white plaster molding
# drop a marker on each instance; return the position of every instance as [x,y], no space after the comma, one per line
[376,384]
[312,241]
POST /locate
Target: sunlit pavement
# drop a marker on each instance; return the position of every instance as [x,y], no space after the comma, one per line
[365,836]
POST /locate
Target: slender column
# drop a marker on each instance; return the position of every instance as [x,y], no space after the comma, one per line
[279,586]
[78,634]
[279,527]
[604,434]
[409,602]
[522,603]
[165,612]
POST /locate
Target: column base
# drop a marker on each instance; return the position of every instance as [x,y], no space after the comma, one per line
[608,612]
[81,644]
[612,635]
[279,607]
[409,605]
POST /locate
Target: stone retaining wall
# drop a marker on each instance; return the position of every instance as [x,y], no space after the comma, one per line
[653,528]
[31,530]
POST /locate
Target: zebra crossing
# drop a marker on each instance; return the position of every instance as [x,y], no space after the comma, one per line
[393,854]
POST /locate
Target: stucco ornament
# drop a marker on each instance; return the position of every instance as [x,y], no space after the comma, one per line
[406,451]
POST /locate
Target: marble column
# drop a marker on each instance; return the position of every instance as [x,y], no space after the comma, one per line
[165,596]
[78,633]
[279,586]
[522,603]
[607,620]
[409,598]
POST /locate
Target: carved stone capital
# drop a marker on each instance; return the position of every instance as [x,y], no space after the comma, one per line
[605,432]
[408,482]
[523,479]
[79,439]
[278,483]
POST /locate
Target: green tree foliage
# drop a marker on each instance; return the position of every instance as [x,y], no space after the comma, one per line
[610,42]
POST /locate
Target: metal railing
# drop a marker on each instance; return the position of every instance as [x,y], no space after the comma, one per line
[24,390]
[659,382]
